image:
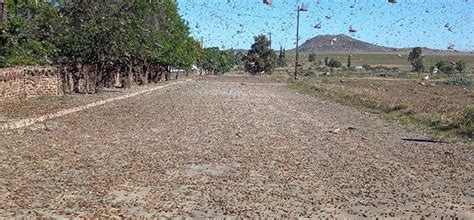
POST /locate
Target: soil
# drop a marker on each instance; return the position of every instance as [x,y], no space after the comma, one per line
[235,146]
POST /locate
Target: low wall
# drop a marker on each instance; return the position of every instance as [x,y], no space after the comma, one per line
[25,82]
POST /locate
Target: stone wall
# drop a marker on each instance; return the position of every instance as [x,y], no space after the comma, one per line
[24,82]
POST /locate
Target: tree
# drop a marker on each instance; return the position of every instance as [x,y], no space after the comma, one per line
[29,33]
[460,66]
[281,61]
[260,58]
[312,57]
[218,61]
[416,59]
[446,66]
[3,42]
[238,58]
[349,61]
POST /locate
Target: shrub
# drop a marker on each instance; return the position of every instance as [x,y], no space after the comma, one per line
[3,62]
[466,122]
[312,57]
[446,66]
[459,81]
[366,67]
[460,66]
[308,72]
[463,124]
[334,63]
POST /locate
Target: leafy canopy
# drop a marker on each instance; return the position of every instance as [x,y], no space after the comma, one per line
[260,58]
[97,33]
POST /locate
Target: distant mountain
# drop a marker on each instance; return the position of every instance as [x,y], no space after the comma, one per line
[344,44]
[234,51]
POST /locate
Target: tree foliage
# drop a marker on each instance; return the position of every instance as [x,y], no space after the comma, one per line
[126,35]
[28,36]
[281,61]
[460,66]
[238,58]
[218,61]
[449,67]
[416,59]
[260,58]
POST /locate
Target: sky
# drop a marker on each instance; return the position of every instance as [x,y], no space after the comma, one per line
[234,23]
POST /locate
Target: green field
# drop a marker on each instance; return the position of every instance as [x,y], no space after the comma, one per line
[389,60]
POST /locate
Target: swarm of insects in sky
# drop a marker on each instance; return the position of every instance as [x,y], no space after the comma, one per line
[387,22]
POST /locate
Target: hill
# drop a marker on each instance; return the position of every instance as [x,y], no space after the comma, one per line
[344,44]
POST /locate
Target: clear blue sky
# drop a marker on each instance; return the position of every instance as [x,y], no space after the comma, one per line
[234,23]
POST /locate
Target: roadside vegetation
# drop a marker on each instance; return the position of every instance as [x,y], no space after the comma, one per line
[260,58]
[438,99]
[142,40]
[444,110]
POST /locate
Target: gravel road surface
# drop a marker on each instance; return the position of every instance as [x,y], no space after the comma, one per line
[233,146]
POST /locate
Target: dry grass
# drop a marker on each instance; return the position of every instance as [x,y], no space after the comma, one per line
[388,60]
[442,108]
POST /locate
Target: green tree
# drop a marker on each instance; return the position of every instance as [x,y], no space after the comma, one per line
[260,58]
[416,59]
[29,32]
[238,58]
[134,37]
[281,61]
[460,66]
[218,61]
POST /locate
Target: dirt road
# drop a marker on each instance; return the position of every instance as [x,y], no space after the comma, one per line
[229,146]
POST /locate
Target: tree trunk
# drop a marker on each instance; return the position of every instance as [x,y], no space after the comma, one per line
[3,10]
[167,75]
[129,80]
[146,69]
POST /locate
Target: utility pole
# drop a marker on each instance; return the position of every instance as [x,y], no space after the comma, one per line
[297,39]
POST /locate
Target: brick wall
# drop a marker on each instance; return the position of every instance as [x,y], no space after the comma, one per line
[27,82]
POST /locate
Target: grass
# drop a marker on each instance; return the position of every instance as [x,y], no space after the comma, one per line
[388,60]
[443,110]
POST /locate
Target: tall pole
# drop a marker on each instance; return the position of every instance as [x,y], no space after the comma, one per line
[297,40]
